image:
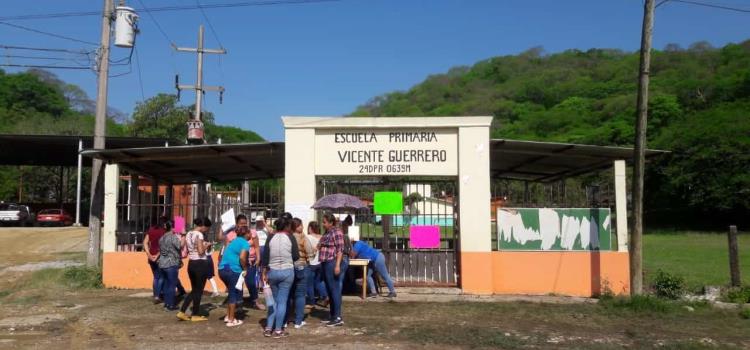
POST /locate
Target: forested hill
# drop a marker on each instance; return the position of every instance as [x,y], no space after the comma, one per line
[699,108]
[37,102]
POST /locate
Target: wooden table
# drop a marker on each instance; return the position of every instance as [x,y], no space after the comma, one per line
[363,263]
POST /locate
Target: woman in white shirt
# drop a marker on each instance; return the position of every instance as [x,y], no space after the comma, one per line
[198,269]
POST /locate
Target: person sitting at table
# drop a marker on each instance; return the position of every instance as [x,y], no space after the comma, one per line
[361,250]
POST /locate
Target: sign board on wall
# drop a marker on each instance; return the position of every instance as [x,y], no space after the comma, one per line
[387,152]
[554,229]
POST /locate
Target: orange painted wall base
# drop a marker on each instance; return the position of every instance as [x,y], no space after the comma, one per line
[566,273]
[482,273]
[130,270]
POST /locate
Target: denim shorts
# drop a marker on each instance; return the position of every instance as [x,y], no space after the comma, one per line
[230,278]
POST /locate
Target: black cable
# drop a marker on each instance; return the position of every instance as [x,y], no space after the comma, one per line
[39,66]
[41,58]
[140,78]
[82,52]
[47,33]
[167,8]
[210,25]
[158,26]
[722,7]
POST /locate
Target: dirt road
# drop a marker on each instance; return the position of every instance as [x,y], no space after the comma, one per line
[38,311]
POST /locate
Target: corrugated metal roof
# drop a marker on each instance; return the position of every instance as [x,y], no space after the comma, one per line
[59,150]
[509,159]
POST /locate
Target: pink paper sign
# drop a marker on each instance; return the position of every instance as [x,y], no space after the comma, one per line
[179,224]
[424,236]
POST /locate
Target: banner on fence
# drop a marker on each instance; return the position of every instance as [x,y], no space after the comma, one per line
[554,229]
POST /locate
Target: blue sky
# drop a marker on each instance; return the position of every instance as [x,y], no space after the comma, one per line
[328,58]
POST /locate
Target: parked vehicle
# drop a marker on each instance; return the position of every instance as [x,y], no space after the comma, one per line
[56,217]
[15,214]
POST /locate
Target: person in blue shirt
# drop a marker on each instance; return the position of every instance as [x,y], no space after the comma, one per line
[361,250]
[233,264]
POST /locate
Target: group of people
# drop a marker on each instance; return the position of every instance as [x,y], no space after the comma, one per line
[295,268]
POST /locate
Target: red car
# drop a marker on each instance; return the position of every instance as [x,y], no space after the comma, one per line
[49,217]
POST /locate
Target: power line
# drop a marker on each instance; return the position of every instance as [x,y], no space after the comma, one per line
[47,33]
[41,66]
[167,8]
[210,26]
[158,26]
[716,6]
[82,52]
[140,78]
[41,58]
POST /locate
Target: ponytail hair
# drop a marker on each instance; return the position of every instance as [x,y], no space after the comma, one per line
[204,221]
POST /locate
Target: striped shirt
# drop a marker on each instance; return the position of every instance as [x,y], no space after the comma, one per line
[331,244]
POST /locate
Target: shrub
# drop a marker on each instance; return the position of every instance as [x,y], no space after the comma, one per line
[739,295]
[745,313]
[637,303]
[82,277]
[668,286]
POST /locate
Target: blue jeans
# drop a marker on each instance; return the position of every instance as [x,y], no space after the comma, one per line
[158,284]
[170,284]
[281,282]
[333,286]
[344,268]
[299,291]
[315,283]
[379,266]
[251,282]
[230,278]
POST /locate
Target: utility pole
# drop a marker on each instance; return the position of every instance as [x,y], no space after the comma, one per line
[195,125]
[639,161]
[97,190]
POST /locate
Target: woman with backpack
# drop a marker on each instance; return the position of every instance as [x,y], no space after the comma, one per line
[279,255]
[198,269]
[170,247]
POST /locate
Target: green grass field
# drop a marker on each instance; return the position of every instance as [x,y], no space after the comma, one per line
[700,257]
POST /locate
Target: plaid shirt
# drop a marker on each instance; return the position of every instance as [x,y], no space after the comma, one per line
[331,244]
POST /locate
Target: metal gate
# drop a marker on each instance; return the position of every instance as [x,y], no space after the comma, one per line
[428,201]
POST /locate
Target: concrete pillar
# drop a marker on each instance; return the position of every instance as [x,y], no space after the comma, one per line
[621,206]
[299,185]
[474,209]
[111,188]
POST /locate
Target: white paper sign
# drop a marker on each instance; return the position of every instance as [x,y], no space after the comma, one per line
[227,220]
[354,233]
[302,211]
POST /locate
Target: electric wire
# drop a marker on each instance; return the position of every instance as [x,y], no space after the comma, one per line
[45,58]
[46,49]
[716,6]
[167,8]
[40,66]
[47,33]
[210,25]
[140,77]
[158,26]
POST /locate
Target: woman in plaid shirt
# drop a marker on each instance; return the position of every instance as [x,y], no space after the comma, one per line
[330,254]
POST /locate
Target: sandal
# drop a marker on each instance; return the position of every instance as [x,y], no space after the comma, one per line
[267,333]
[234,323]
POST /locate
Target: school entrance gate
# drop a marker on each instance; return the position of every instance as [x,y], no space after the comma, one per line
[431,162]
[426,202]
